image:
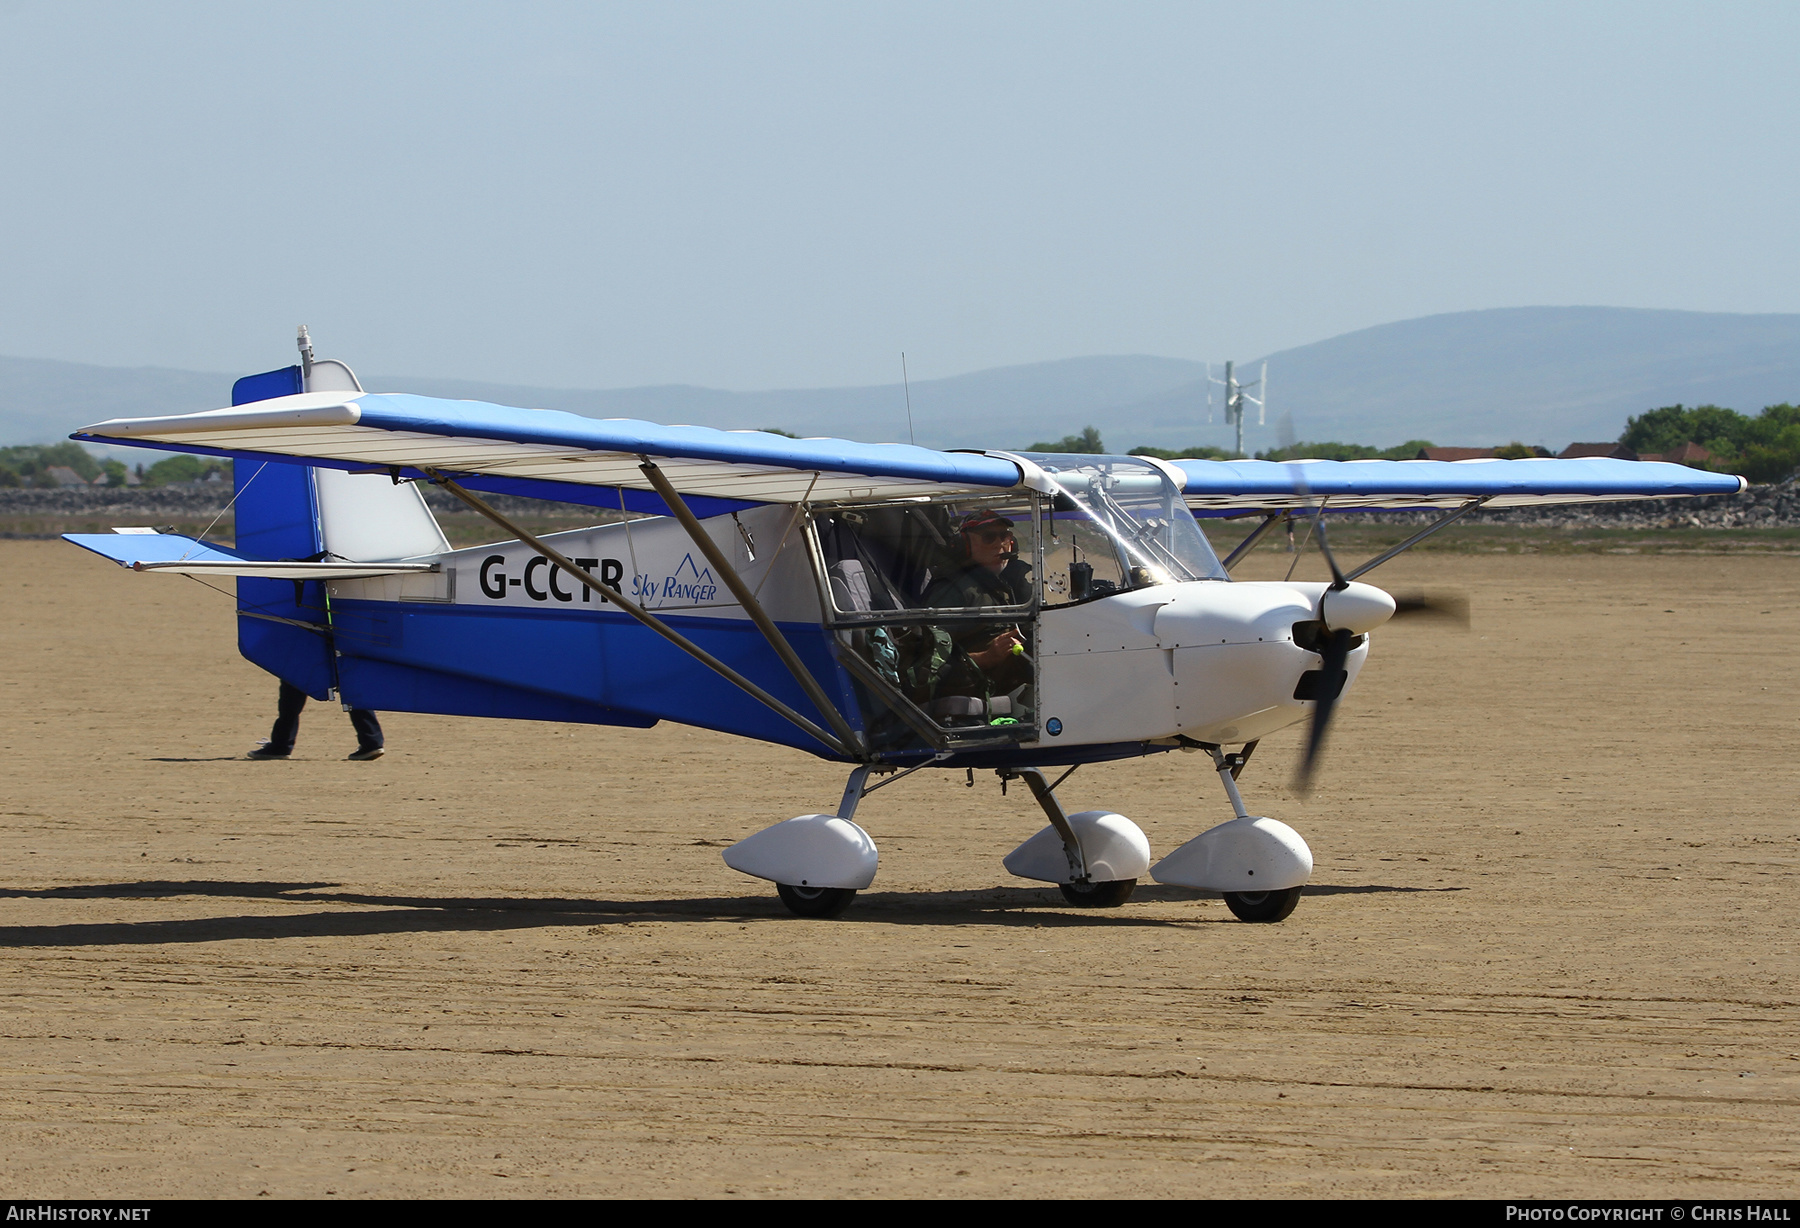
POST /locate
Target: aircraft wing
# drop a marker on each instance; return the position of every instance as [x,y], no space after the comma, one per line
[542,448]
[1223,488]
[186,556]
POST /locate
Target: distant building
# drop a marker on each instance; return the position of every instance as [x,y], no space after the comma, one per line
[1458,454]
[1687,454]
[1616,451]
[62,475]
[1455,454]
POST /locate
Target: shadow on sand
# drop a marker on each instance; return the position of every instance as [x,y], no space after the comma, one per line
[394,914]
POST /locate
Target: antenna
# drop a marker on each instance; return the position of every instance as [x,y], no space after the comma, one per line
[907,384]
[304,341]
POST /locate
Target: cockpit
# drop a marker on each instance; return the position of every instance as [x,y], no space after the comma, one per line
[1118,523]
[935,601]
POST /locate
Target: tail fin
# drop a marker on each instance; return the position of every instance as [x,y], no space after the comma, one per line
[291,511]
[278,518]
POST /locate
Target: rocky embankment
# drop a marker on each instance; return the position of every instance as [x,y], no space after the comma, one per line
[1775,506]
[145,501]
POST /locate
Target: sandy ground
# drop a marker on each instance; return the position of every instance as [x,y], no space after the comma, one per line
[1549,949]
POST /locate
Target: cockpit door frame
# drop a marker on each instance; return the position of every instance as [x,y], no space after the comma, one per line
[841,624]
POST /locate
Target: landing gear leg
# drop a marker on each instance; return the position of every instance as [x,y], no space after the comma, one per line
[805,901]
[1083,891]
[818,862]
[1229,768]
[1259,865]
[1263,906]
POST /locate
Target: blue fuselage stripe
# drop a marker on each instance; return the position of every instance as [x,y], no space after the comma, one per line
[605,659]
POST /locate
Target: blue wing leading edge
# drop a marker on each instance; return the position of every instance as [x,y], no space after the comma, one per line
[1215,488]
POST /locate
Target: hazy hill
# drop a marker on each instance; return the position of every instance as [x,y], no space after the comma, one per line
[42,401]
[1546,375]
[1539,374]
[1007,407]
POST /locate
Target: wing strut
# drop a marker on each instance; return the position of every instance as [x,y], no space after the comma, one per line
[752,607]
[1243,547]
[849,750]
[1442,522]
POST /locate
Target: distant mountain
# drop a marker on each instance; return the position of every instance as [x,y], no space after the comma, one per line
[42,401]
[1546,375]
[1012,407]
[1007,407]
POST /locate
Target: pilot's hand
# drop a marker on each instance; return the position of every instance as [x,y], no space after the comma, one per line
[1003,646]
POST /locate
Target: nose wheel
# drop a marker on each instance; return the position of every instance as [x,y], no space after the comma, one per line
[818,901]
[1262,905]
[1098,895]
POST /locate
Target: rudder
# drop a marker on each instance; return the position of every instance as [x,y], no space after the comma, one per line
[277,517]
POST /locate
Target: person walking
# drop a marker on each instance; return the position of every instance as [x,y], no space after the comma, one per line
[369,743]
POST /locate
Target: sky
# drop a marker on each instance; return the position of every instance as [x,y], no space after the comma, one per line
[760,195]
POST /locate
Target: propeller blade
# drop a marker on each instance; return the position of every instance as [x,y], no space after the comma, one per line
[1337,573]
[1297,474]
[1449,607]
[1334,649]
[1334,653]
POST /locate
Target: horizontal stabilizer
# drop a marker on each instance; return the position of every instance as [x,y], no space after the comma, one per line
[184,556]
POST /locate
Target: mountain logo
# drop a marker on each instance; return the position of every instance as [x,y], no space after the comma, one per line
[690,585]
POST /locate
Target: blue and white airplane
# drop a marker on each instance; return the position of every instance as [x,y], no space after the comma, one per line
[885,606]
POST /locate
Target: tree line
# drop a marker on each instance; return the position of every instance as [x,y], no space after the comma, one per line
[30,465]
[1763,448]
[1089,442]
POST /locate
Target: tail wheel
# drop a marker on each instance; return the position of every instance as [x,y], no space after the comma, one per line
[815,901]
[1109,894]
[1262,905]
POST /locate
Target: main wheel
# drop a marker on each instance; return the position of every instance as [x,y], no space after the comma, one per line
[815,901]
[1262,905]
[1109,894]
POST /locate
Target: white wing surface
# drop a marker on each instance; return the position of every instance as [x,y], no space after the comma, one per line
[399,431]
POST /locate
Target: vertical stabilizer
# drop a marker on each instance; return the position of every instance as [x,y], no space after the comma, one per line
[277,517]
[291,511]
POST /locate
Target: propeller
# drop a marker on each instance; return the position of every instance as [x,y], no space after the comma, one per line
[1334,645]
[1334,653]
[1449,607]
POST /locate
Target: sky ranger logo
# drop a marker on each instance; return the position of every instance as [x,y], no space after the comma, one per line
[690,585]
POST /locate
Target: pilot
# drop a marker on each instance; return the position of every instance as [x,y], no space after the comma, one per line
[992,574]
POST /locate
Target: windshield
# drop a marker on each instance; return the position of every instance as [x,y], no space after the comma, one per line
[1119,524]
